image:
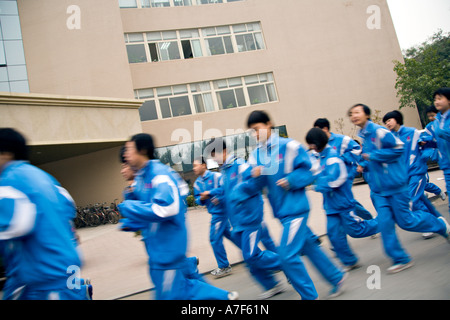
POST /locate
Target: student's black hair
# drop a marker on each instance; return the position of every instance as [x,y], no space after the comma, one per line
[144,144]
[213,145]
[366,109]
[317,137]
[13,142]
[432,109]
[445,91]
[322,123]
[122,155]
[257,116]
[200,159]
[397,115]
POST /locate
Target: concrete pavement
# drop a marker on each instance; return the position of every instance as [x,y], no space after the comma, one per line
[116,262]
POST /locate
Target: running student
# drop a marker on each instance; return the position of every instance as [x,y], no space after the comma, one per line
[284,167]
[388,182]
[36,236]
[159,209]
[220,226]
[331,179]
[350,152]
[438,132]
[246,216]
[415,161]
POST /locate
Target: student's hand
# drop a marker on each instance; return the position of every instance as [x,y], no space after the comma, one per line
[256,172]
[215,201]
[360,169]
[204,195]
[284,183]
[366,156]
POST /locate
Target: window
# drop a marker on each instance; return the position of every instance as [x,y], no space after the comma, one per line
[208,96]
[167,3]
[193,43]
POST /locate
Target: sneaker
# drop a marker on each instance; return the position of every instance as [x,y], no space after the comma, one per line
[339,288]
[279,288]
[352,267]
[442,195]
[447,230]
[428,235]
[221,272]
[399,267]
[233,295]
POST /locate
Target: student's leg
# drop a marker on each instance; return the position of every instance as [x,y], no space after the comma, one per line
[416,221]
[338,239]
[291,244]
[417,195]
[261,263]
[357,228]
[217,230]
[391,243]
[447,184]
[362,212]
[266,239]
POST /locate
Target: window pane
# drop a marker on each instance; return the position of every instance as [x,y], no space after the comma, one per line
[197,48]
[135,37]
[239,28]
[259,41]
[209,32]
[199,105]
[191,33]
[2,54]
[14,52]
[228,44]
[122,3]
[234,82]
[240,40]
[219,84]
[153,36]
[200,86]
[160,3]
[19,86]
[223,30]
[16,73]
[8,7]
[187,49]
[257,94]
[154,57]
[164,91]
[180,106]
[169,50]
[145,93]
[148,111]
[180,89]
[165,108]
[11,27]
[272,92]
[145,3]
[169,35]
[240,97]
[251,79]
[215,46]
[226,99]
[136,53]
[209,104]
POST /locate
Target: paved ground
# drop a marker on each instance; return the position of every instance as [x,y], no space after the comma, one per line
[116,261]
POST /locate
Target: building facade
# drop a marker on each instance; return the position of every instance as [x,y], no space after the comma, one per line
[199,67]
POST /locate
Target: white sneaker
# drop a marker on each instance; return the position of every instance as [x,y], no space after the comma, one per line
[221,272]
[352,267]
[233,295]
[428,235]
[399,267]
[443,196]
[279,288]
[339,288]
[447,231]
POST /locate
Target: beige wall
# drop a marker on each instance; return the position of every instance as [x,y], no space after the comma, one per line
[90,61]
[323,56]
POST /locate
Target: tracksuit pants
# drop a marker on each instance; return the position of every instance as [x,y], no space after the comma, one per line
[260,263]
[297,239]
[394,209]
[417,184]
[339,225]
[220,228]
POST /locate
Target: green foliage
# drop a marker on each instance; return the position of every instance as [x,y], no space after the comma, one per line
[425,69]
[191,201]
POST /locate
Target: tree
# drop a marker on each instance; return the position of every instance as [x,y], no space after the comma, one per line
[425,69]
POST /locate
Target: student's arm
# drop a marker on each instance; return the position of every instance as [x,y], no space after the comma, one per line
[350,150]
[197,193]
[17,213]
[301,175]
[391,147]
[443,131]
[164,204]
[333,176]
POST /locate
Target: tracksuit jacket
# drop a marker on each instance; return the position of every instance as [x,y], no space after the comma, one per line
[36,237]
[438,132]
[209,181]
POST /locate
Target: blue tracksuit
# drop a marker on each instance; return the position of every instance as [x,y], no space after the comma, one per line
[286,158]
[333,182]
[159,209]
[416,163]
[389,185]
[36,236]
[246,216]
[438,132]
[350,152]
[220,226]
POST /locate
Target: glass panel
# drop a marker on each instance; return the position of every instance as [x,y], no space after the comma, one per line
[240,97]
[240,40]
[9,7]
[153,36]
[208,100]
[169,50]
[197,48]
[4,87]
[228,44]
[239,28]
[135,37]
[164,91]
[251,79]
[200,86]
[199,105]
[223,30]
[165,108]
[187,49]
[219,84]
[160,3]
[136,53]
[169,35]
[180,106]
[257,95]
[215,46]
[11,27]
[226,99]
[180,89]
[272,92]
[148,111]
[145,93]
[3,74]
[19,86]
[191,33]
[154,57]
[209,32]
[122,3]
[2,54]
[259,41]
[16,73]
[145,4]
[234,82]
